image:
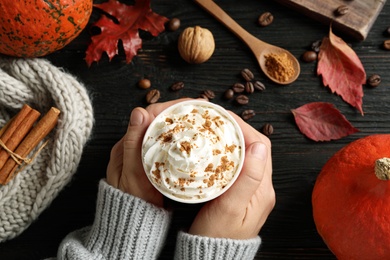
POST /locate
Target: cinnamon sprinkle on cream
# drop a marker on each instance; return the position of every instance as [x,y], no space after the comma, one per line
[230,148]
[185,147]
[165,137]
[216,152]
[157,173]
[209,168]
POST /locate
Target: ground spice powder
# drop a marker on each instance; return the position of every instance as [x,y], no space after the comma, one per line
[279,66]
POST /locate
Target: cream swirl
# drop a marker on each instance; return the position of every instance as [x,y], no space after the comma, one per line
[192,150]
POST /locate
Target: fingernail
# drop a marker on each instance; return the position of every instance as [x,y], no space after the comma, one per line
[259,150]
[136,118]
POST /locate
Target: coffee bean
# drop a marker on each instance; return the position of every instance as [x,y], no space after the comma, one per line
[309,56]
[267,129]
[265,19]
[386,44]
[248,114]
[152,96]
[247,74]
[242,99]
[249,88]
[209,94]
[315,46]
[229,94]
[173,24]
[238,88]
[341,10]
[374,80]
[144,83]
[177,86]
[259,86]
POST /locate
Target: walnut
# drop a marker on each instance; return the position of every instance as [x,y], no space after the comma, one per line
[196,44]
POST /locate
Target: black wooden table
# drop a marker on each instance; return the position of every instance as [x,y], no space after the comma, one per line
[290,232]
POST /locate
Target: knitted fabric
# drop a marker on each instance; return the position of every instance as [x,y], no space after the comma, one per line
[41,85]
[198,247]
[125,227]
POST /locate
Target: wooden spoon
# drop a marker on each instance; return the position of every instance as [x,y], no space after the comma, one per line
[259,48]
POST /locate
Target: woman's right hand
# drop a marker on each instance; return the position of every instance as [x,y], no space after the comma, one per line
[242,210]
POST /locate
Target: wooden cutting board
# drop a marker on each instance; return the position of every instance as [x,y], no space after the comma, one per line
[357,22]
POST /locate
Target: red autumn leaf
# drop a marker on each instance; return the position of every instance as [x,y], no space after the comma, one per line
[321,121]
[342,70]
[129,20]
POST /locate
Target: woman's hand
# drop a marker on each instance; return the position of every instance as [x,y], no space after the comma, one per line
[241,211]
[125,170]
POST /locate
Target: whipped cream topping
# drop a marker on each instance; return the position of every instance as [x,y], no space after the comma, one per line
[192,151]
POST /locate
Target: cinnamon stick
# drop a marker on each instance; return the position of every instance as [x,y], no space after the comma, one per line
[12,124]
[34,137]
[17,129]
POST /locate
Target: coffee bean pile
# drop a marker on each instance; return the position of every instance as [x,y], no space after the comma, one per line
[240,91]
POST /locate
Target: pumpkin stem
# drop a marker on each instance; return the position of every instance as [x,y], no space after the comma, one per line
[382,168]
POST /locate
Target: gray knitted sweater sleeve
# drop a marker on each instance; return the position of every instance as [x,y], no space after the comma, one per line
[126,227]
[198,247]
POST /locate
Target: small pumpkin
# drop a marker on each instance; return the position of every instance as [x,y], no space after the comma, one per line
[351,200]
[37,28]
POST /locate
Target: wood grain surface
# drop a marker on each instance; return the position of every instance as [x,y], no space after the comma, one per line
[356,22]
[289,232]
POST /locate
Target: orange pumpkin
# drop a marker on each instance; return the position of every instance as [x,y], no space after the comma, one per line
[36,28]
[351,200]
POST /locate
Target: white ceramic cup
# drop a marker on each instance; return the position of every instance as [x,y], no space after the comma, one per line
[193,151]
